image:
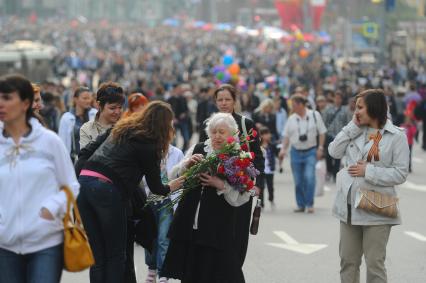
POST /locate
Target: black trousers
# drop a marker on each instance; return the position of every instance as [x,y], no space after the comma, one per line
[103,213]
[424,134]
[260,182]
[242,228]
[129,271]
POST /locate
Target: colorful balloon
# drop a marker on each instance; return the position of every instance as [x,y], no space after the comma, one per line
[234,69]
[220,76]
[228,60]
[226,78]
[218,68]
[299,36]
[303,53]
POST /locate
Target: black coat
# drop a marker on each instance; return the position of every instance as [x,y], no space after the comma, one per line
[126,163]
[243,213]
[267,120]
[208,254]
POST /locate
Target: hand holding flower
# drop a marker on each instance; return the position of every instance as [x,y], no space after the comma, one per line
[212,181]
[193,160]
[176,183]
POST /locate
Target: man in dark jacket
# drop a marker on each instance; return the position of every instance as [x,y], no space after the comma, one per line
[182,120]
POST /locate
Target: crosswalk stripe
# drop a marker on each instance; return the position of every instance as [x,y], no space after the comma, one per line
[411,186]
[416,236]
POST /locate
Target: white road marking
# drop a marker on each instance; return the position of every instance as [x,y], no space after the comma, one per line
[411,186]
[292,245]
[417,160]
[416,236]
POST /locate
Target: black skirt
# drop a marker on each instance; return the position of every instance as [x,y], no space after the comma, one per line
[194,263]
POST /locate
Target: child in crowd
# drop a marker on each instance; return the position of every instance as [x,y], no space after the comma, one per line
[269,151]
[163,216]
[410,130]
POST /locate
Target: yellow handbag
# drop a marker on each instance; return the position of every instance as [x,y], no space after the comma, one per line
[77,252]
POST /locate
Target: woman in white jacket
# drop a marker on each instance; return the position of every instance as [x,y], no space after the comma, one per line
[34,164]
[376,154]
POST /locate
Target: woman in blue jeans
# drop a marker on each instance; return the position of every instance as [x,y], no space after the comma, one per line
[34,164]
[133,150]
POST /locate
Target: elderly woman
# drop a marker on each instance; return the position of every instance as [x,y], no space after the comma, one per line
[376,154]
[203,246]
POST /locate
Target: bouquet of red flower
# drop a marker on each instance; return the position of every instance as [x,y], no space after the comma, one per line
[233,163]
[236,167]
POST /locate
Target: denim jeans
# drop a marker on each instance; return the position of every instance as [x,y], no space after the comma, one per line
[303,169]
[44,266]
[185,131]
[164,218]
[104,217]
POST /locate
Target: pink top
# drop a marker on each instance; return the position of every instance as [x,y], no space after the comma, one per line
[91,173]
[410,131]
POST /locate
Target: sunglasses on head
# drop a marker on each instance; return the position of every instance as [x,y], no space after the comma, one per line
[134,97]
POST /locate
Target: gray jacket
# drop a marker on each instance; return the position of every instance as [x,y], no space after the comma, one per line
[381,176]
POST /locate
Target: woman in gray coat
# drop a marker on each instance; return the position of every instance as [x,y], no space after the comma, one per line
[361,232]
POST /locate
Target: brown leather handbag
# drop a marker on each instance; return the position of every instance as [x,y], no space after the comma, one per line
[77,252]
[378,203]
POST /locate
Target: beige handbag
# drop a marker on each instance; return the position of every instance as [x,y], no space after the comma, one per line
[378,203]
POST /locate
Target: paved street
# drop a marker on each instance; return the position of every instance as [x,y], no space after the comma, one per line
[291,261]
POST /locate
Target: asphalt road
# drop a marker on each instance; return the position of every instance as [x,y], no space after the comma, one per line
[299,248]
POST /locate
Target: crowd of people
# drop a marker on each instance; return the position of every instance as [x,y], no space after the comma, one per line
[308,108]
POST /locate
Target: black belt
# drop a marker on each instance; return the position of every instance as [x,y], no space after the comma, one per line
[305,150]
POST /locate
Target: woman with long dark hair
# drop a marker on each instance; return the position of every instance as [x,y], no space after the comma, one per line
[134,149]
[34,164]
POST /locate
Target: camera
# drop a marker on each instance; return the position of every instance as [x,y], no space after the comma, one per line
[303,138]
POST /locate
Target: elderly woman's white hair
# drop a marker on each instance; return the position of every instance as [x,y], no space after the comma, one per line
[225,119]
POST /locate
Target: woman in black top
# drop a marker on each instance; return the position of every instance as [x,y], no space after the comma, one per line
[225,97]
[134,148]
[265,117]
